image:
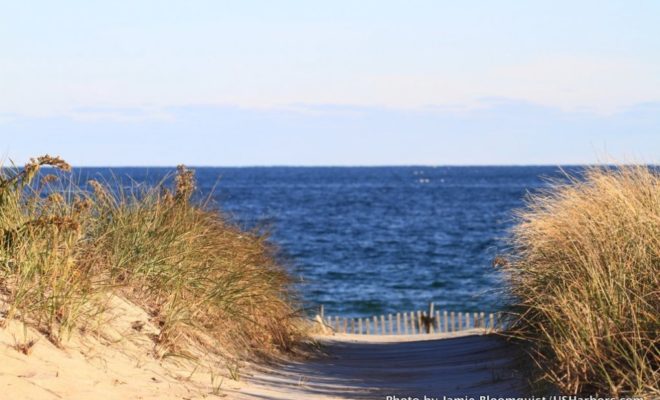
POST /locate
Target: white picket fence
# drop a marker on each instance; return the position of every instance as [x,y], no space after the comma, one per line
[414,322]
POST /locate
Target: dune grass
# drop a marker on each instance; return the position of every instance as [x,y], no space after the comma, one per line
[64,250]
[585,277]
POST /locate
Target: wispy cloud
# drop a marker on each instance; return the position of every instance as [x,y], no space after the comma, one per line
[499,131]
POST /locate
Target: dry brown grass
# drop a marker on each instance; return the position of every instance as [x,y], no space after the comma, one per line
[204,281]
[585,273]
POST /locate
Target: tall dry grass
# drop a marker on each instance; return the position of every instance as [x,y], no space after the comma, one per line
[203,280]
[585,276]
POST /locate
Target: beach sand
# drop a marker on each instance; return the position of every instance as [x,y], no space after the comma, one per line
[118,363]
[468,363]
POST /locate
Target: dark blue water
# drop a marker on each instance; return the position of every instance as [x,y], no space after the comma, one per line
[367,241]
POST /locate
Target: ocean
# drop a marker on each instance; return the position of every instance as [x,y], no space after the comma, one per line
[373,240]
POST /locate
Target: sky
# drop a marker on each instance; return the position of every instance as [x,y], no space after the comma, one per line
[330,83]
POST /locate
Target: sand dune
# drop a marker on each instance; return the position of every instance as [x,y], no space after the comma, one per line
[114,362]
[374,367]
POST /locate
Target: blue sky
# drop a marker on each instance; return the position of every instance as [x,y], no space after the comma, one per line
[330,83]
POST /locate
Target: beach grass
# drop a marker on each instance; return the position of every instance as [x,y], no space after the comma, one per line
[203,280]
[584,274]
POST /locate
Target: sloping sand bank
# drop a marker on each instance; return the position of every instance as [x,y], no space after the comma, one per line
[374,367]
[116,362]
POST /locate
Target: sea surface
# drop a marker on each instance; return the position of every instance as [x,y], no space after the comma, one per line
[373,240]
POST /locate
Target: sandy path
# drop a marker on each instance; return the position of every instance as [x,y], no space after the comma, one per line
[374,367]
[118,363]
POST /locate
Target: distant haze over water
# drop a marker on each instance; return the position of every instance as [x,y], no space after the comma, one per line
[375,240]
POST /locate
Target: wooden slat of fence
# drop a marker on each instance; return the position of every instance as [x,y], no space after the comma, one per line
[445,322]
[411,317]
[452,321]
[413,322]
[405,323]
[431,324]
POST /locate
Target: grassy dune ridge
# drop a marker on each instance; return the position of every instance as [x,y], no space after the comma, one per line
[204,281]
[585,275]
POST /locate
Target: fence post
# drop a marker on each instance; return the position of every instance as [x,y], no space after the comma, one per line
[421,318]
[437,321]
[375,325]
[429,318]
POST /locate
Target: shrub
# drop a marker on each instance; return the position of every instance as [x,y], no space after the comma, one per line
[585,272]
[64,250]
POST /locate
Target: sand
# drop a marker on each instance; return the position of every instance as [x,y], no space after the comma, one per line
[470,363]
[118,362]
[114,361]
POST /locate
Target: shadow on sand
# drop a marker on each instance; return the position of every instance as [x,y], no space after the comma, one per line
[362,369]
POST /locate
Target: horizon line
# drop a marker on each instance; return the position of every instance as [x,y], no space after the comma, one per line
[365,165]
